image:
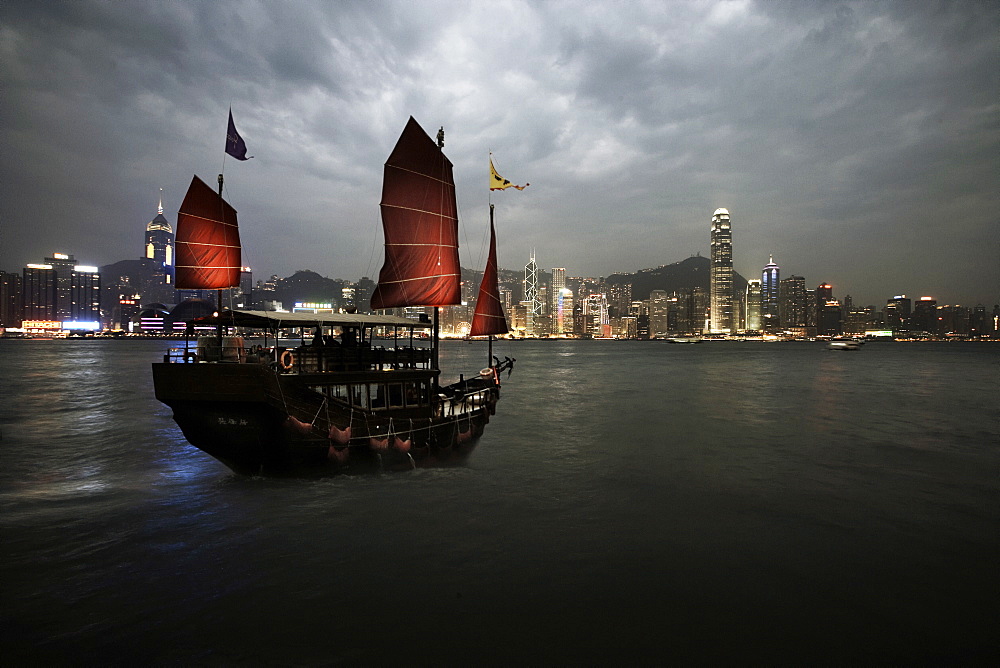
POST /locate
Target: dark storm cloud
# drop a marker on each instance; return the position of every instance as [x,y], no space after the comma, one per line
[855,141]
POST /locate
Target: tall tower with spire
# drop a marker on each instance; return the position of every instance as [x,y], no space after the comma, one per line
[158,258]
[769,305]
[721,279]
[160,241]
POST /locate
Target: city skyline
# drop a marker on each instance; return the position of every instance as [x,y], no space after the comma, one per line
[856,142]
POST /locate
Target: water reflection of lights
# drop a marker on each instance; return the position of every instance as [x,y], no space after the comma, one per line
[54,486]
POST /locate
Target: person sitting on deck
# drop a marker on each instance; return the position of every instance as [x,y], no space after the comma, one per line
[349,336]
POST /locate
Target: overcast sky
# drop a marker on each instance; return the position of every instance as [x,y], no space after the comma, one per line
[857,142]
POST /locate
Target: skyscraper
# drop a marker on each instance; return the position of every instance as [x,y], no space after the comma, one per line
[769,281]
[924,317]
[10,299]
[897,313]
[160,244]
[753,305]
[721,279]
[531,294]
[562,315]
[792,302]
[659,305]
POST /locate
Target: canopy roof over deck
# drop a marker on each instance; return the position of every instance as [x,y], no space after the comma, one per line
[280,319]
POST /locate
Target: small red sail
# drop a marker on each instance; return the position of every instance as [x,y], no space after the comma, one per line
[489,317]
[420,224]
[208,241]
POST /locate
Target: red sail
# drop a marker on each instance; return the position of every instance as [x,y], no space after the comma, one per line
[420,224]
[489,317]
[208,241]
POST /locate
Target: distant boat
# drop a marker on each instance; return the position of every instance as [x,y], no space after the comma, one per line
[844,344]
[684,339]
[363,392]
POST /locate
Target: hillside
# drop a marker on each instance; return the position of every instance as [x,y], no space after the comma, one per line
[684,275]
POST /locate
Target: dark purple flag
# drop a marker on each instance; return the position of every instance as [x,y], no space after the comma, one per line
[235,146]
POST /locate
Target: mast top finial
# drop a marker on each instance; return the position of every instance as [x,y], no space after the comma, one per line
[159,209]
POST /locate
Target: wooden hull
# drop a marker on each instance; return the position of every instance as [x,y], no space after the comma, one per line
[257,421]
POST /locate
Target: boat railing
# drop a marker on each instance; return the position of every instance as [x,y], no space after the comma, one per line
[465,396]
[191,354]
[362,357]
[304,359]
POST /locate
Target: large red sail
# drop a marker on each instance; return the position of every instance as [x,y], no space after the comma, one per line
[208,241]
[420,225]
[489,317]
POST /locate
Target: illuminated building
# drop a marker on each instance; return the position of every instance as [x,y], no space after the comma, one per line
[979,322]
[61,290]
[769,281]
[38,292]
[829,319]
[792,302]
[659,306]
[558,283]
[752,306]
[897,313]
[160,243]
[563,312]
[721,279]
[531,301]
[595,314]
[10,299]
[924,316]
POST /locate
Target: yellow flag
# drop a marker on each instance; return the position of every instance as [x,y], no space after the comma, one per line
[498,182]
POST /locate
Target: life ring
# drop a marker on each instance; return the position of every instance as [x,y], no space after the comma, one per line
[487,372]
[287,360]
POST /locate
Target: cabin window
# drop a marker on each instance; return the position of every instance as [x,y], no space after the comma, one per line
[395,395]
[359,396]
[416,394]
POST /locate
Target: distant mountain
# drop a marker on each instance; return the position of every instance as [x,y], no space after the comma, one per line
[687,274]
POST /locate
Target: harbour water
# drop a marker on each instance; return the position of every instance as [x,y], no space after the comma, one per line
[630,503]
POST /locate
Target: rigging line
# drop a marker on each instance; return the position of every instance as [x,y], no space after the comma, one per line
[320,409]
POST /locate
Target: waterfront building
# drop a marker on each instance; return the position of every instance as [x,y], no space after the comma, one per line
[11,309]
[793,302]
[829,319]
[619,299]
[721,278]
[769,284]
[39,293]
[558,283]
[979,322]
[924,317]
[659,305]
[752,305]
[897,313]
[60,290]
[563,312]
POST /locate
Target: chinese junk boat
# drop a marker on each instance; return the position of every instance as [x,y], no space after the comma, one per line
[358,392]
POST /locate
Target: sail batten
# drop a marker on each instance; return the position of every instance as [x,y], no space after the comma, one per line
[420,225]
[489,317]
[209,255]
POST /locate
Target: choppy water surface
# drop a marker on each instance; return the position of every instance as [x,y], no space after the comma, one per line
[632,502]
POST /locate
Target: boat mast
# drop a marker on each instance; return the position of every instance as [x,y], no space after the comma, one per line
[489,354]
[437,309]
[218,317]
